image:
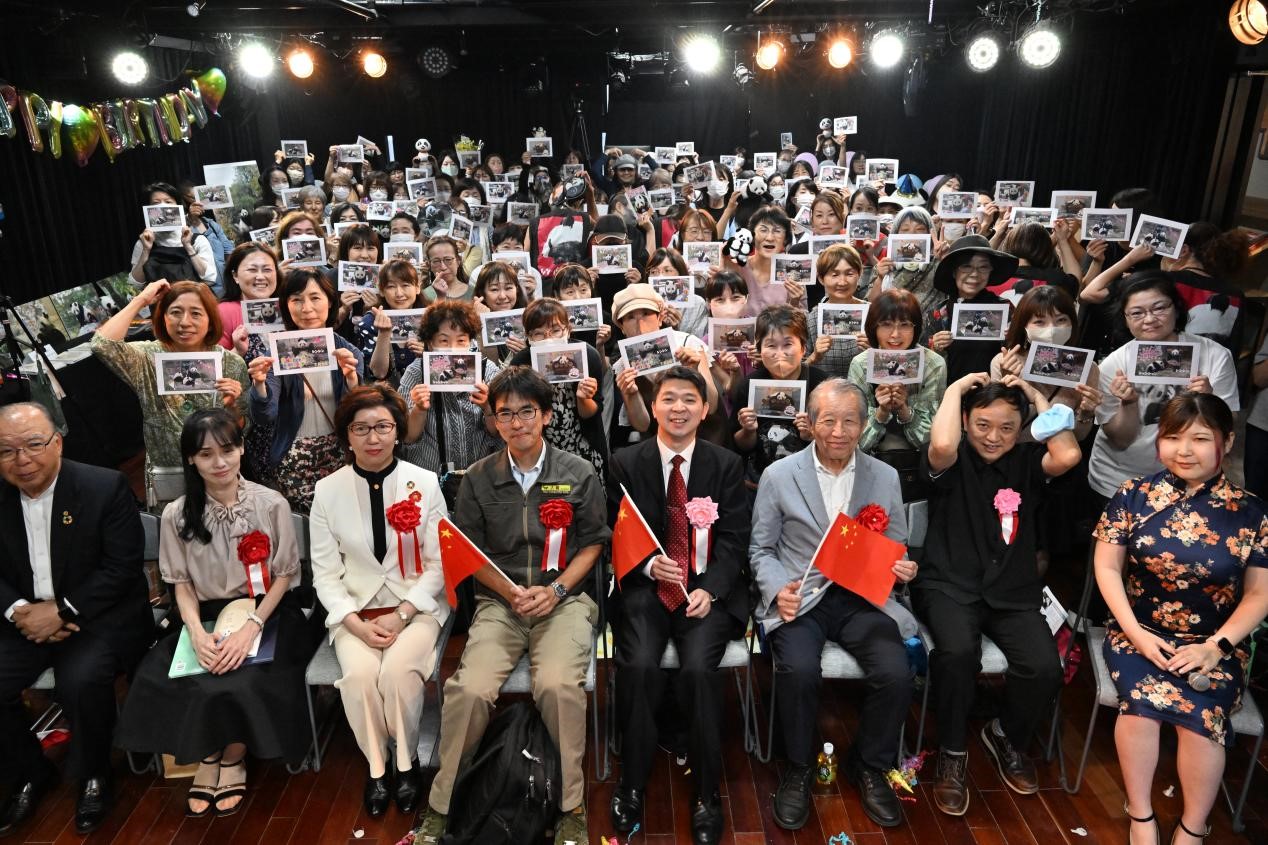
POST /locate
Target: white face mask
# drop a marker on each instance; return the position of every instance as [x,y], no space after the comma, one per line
[278,187]
[378,195]
[805,199]
[777,192]
[450,170]
[401,237]
[167,238]
[339,192]
[1057,335]
[442,196]
[717,188]
[296,176]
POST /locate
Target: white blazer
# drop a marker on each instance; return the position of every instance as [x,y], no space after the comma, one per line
[346,574]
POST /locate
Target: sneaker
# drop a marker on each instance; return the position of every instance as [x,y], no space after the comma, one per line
[950,790]
[432,828]
[573,827]
[1015,769]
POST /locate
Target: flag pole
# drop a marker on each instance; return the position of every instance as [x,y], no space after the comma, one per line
[650,533]
[813,557]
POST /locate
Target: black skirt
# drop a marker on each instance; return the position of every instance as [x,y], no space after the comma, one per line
[194,717]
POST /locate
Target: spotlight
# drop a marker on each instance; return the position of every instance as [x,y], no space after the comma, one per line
[300,63]
[1249,21]
[373,64]
[742,75]
[769,54]
[255,60]
[840,53]
[435,61]
[193,9]
[702,53]
[1039,47]
[129,68]
[887,48]
[982,53]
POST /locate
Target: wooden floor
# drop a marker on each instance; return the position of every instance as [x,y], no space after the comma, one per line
[325,806]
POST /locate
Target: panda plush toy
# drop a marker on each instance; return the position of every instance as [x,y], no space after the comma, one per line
[739,246]
[757,188]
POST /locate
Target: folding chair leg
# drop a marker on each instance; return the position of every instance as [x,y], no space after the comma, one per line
[313,759]
[1238,823]
[602,761]
[924,707]
[1087,746]
[770,731]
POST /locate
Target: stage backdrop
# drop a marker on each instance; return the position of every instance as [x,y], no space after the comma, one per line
[1134,100]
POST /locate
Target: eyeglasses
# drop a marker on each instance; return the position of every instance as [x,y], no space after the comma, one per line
[557,333]
[9,454]
[974,269]
[1156,310]
[382,429]
[891,325]
[526,414]
[442,262]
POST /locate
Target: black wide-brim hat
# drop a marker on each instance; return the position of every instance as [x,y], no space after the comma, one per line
[1003,265]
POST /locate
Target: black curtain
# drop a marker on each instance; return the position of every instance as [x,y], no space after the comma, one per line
[1134,100]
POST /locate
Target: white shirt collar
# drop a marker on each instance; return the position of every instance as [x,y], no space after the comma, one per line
[47,495]
[667,454]
[819,467]
[535,468]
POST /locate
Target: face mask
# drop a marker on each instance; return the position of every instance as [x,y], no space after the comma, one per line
[783,166]
[278,187]
[450,170]
[886,220]
[1056,335]
[401,238]
[541,183]
[339,192]
[167,238]
[443,196]
[777,192]
[717,188]
[296,176]
[379,195]
[805,199]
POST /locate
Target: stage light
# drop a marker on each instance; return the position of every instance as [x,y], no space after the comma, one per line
[435,61]
[702,53]
[373,64]
[887,49]
[129,68]
[1249,21]
[742,75]
[255,60]
[769,54]
[840,53]
[1039,47]
[193,9]
[300,63]
[982,53]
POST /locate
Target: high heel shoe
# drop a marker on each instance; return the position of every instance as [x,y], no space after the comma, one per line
[1180,827]
[1146,820]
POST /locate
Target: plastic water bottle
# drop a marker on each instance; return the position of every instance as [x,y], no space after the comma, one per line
[826,773]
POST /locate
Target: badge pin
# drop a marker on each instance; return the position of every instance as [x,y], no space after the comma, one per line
[67,519]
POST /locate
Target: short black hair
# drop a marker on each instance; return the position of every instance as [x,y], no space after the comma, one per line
[679,372]
[166,187]
[377,395]
[994,391]
[295,282]
[521,381]
[719,282]
[1145,280]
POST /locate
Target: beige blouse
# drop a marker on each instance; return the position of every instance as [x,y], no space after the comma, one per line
[213,568]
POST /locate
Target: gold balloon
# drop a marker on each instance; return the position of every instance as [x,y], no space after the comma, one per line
[113,140]
[10,96]
[132,111]
[55,129]
[193,100]
[182,116]
[35,118]
[150,118]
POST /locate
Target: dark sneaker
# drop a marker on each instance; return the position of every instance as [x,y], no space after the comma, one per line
[1015,768]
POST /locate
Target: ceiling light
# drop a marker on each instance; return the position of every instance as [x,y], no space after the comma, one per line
[1039,47]
[129,68]
[769,54]
[373,64]
[982,53]
[1249,21]
[840,53]
[435,61]
[300,63]
[887,49]
[702,53]
[255,60]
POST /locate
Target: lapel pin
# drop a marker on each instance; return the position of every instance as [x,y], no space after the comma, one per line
[409,485]
[67,519]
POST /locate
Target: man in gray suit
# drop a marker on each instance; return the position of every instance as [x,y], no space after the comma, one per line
[797,500]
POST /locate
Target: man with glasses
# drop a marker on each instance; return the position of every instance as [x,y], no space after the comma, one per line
[798,499]
[75,599]
[539,514]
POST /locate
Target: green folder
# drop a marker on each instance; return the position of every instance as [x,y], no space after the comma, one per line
[185,661]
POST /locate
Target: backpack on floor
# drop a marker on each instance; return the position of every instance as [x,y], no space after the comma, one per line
[508,793]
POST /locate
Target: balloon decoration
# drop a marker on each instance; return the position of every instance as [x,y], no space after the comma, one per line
[117,125]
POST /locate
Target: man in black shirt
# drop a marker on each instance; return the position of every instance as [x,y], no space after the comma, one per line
[979,573]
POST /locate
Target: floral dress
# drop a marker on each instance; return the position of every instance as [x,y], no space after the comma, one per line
[1186,555]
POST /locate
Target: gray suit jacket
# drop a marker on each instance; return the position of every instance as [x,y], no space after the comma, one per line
[789,520]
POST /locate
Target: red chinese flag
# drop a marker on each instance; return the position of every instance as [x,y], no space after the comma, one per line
[858,559]
[632,540]
[459,558]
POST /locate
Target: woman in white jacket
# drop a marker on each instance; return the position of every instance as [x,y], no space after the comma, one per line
[376,568]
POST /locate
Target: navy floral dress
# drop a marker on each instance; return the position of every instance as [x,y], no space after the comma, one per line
[1186,559]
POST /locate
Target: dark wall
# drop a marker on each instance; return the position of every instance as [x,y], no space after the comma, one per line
[1134,100]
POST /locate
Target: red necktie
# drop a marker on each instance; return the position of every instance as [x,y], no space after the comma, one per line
[672,595]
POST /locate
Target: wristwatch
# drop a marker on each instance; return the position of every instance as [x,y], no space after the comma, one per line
[1226,648]
[404,617]
[561,592]
[65,611]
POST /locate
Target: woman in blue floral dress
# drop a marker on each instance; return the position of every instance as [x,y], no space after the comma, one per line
[1195,550]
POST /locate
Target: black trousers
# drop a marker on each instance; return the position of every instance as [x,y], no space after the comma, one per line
[1034,667]
[645,628]
[85,668]
[872,639]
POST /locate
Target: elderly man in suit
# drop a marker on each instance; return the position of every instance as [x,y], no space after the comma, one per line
[798,498]
[73,590]
[696,593]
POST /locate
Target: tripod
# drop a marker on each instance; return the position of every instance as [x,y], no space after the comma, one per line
[579,124]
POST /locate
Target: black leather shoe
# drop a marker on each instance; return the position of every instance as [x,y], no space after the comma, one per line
[378,794]
[627,809]
[409,785]
[23,800]
[791,804]
[1015,768]
[879,801]
[93,804]
[706,820]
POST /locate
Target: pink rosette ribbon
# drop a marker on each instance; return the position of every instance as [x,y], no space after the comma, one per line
[702,512]
[1008,505]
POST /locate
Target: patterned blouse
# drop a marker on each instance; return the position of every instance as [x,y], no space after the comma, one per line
[466,438]
[164,416]
[923,403]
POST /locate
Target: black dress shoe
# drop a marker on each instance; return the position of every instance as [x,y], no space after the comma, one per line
[879,801]
[792,800]
[93,804]
[409,785]
[627,808]
[378,794]
[23,800]
[706,820]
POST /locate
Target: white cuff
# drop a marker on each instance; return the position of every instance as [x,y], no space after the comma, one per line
[8,614]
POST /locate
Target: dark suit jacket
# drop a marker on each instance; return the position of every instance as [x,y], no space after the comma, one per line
[716,473]
[97,547]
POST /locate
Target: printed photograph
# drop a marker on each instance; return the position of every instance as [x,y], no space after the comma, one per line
[798,269]
[896,366]
[863,227]
[305,251]
[703,254]
[570,171]
[468,159]
[481,215]
[957,205]
[776,397]
[379,210]
[1070,205]
[559,362]
[290,197]
[410,251]
[785,140]
[213,196]
[661,198]
[164,218]
[1063,366]
[675,290]
[187,372]
[243,180]
[638,199]
[355,275]
[1165,236]
[910,249]
[665,155]
[424,188]
[684,148]
[1110,224]
[732,335]
[584,314]
[295,149]
[844,321]
[539,147]
[267,235]
[832,175]
[979,322]
[451,371]
[882,169]
[1024,214]
[521,213]
[304,351]
[498,192]
[517,258]
[764,163]
[845,125]
[499,326]
[649,353]
[1010,193]
[610,259]
[818,243]
[351,153]
[1164,363]
[262,316]
[460,228]
[699,175]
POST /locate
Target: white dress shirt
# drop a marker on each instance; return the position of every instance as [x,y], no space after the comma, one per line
[836,488]
[527,477]
[37,516]
[667,456]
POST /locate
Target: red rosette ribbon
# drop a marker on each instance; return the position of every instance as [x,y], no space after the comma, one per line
[556,516]
[253,552]
[404,516]
[873,518]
